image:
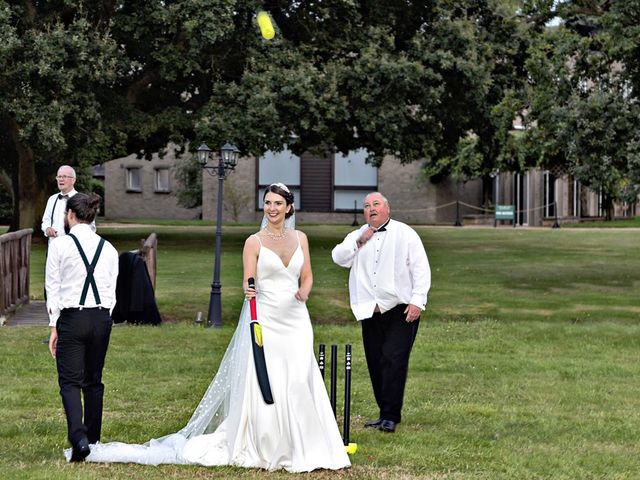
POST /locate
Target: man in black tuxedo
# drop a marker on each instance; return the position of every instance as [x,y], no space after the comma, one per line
[53,219]
[388,285]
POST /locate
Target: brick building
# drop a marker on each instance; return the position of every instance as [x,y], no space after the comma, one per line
[330,188]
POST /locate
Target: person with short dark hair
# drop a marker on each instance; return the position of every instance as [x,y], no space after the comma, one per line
[389,280]
[81,275]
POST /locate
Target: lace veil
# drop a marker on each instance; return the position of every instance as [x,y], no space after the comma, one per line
[227,386]
[217,405]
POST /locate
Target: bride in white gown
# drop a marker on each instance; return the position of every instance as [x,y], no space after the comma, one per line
[233,425]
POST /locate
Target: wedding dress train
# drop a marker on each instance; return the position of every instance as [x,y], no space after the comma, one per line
[232,425]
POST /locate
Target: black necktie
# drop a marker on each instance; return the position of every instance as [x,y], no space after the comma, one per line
[61,196]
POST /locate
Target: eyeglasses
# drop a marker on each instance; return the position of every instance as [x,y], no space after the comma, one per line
[63,177]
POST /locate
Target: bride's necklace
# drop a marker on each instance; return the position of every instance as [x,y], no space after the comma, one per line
[275,236]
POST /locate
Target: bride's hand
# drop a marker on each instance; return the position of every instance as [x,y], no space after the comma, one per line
[249,293]
[302,295]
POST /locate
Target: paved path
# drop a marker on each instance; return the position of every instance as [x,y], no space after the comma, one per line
[33,313]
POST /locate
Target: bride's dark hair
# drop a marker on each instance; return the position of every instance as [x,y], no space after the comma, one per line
[282,190]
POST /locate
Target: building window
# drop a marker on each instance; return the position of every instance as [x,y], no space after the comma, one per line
[162,180]
[133,180]
[522,197]
[353,179]
[549,181]
[283,167]
[320,182]
[574,197]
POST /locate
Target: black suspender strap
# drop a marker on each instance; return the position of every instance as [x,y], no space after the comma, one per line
[90,280]
[53,210]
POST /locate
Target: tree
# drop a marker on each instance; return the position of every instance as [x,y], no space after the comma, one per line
[189,182]
[488,76]
[92,80]
[86,81]
[53,63]
[419,80]
[395,77]
[583,98]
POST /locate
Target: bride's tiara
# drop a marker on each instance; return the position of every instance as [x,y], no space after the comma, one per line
[282,186]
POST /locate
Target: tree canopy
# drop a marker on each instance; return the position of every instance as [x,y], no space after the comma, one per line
[87,81]
[583,97]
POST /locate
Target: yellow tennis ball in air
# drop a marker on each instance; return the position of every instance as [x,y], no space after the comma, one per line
[266,27]
[351,448]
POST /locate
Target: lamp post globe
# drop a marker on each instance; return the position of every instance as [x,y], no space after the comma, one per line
[203,153]
[229,155]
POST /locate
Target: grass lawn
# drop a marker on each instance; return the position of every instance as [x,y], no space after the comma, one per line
[525,367]
[633,222]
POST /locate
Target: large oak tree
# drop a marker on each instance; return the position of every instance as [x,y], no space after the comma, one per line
[83,82]
[88,81]
[583,97]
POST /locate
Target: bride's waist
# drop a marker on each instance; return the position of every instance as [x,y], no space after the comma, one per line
[276,295]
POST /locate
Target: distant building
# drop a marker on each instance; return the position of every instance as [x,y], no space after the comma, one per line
[138,188]
[330,188]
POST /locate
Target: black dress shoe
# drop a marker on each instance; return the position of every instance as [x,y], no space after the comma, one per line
[80,451]
[374,424]
[387,426]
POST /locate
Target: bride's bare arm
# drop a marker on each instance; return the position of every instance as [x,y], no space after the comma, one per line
[306,275]
[250,263]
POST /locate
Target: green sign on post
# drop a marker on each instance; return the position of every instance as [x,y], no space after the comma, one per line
[505,212]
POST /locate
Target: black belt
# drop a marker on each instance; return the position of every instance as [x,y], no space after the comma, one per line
[78,309]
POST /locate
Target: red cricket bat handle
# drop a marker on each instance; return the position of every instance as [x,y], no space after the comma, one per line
[254,313]
[252,303]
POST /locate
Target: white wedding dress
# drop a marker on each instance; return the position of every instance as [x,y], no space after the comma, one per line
[232,425]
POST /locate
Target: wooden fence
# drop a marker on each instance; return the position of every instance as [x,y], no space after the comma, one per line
[15,253]
[148,251]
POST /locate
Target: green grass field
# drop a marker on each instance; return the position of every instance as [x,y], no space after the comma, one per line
[525,367]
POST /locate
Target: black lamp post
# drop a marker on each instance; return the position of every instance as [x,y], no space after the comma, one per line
[494,177]
[227,162]
[457,223]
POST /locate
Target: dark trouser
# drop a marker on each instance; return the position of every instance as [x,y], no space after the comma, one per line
[83,338]
[388,340]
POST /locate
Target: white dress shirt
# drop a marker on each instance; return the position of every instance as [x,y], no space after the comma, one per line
[390,269]
[66,273]
[54,214]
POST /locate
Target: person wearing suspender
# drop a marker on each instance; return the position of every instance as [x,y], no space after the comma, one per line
[54,213]
[81,275]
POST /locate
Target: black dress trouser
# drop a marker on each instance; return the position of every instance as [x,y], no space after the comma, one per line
[83,338]
[388,338]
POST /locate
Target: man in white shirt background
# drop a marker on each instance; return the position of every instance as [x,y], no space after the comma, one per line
[81,276]
[54,213]
[389,280]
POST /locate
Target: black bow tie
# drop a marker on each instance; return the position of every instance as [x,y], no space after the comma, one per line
[61,196]
[383,228]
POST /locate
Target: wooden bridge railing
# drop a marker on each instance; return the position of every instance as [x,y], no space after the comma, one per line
[148,251]
[15,254]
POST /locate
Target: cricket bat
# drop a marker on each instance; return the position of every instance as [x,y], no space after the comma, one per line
[258,350]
